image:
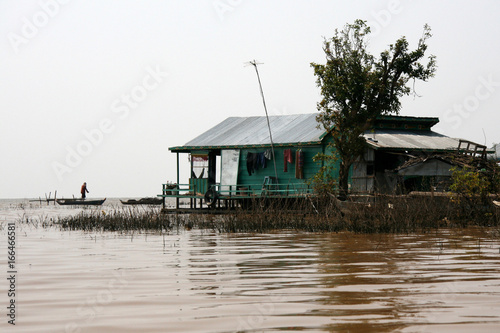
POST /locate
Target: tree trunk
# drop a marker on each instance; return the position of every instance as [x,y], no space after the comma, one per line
[344,180]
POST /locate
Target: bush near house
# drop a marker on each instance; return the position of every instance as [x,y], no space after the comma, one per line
[475,187]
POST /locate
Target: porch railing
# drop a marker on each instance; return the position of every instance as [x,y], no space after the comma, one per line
[237,191]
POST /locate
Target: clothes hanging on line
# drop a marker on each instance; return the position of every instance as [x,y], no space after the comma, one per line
[261,160]
[287,153]
[268,154]
[299,164]
[255,161]
[251,163]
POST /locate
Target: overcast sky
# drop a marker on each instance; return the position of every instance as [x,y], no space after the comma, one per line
[98,90]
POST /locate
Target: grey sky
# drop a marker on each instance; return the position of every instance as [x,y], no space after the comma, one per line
[97,90]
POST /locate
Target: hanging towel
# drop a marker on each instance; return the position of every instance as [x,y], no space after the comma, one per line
[299,164]
[287,153]
[268,154]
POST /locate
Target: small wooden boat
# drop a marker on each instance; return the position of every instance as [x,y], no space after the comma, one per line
[86,202]
[143,201]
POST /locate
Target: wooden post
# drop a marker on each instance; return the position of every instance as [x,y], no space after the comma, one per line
[177,200]
[163,191]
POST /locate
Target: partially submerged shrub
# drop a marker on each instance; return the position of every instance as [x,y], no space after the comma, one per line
[470,185]
[119,220]
[473,193]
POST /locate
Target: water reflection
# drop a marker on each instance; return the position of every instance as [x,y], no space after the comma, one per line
[381,283]
[345,282]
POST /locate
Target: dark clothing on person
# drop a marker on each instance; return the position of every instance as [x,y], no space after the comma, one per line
[84,190]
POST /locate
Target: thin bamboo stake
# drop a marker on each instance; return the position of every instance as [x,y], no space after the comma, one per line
[254,64]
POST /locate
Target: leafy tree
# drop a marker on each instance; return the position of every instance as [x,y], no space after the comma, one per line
[323,183]
[357,88]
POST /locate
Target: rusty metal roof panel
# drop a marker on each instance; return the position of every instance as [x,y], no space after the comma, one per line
[410,140]
[244,131]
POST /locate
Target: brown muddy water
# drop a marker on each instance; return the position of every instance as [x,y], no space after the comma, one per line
[201,281]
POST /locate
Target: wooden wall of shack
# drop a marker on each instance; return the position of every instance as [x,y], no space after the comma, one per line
[383,172]
[289,179]
[287,176]
[391,172]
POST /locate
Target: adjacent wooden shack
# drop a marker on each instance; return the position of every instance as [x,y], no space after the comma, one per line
[236,159]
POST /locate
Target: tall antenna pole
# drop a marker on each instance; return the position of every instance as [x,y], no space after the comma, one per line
[254,64]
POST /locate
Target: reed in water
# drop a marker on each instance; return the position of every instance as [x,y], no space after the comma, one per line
[120,219]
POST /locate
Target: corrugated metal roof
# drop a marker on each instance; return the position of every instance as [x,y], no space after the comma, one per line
[236,132]
[244,131]
[410,140]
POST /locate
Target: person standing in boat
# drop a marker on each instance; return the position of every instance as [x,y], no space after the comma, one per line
[84,190]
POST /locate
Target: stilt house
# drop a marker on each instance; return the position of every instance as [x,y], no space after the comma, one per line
[237,159]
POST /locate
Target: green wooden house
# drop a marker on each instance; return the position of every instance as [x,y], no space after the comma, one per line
[237,160]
